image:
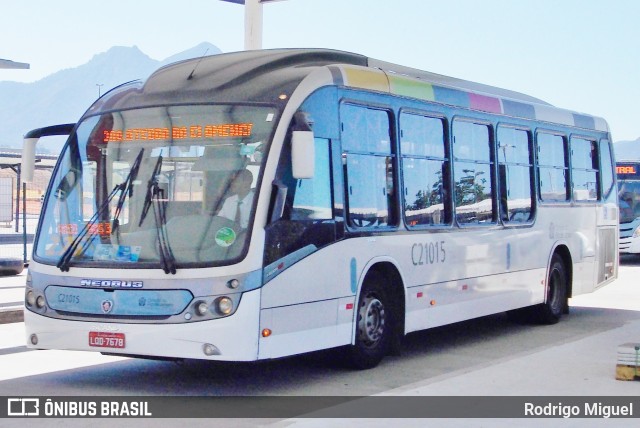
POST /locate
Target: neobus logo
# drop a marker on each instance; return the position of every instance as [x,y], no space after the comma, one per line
[110,283]
[628,169]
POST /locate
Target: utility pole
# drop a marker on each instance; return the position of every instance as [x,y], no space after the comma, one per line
[252,22]
[252,25]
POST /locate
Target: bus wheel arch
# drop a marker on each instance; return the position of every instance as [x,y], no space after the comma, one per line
[379,316]
[560,267]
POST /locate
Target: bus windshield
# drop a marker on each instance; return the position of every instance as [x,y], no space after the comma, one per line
[629,199]
[167,187]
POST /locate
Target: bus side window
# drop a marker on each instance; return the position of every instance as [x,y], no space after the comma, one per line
[368,164]
[425,168]
[553,170]
[312,196]
[515,174]
[307,221]
[473,180]
[584,170]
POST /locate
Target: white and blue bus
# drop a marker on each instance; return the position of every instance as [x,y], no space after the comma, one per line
[262,204]
[628,174]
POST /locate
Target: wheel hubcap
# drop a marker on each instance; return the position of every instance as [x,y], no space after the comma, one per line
[371,321]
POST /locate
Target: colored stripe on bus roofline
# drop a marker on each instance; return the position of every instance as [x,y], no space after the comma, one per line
[377,80]
[583,121]
[551,114]
[485,103]
[361,77]
[452,96]
[517,109]
[405,86]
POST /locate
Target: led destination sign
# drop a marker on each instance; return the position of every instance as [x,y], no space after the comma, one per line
[102,229]
[225,130]
[626,169]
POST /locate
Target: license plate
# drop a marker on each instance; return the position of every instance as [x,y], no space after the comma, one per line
[101,339]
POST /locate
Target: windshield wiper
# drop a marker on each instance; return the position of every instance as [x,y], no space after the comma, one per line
[167,258]
[152,186]
[124,187]
[67,255]
[127,189]
[155,197]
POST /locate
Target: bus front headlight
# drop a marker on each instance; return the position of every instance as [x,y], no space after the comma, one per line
[31,298]
[40,302]
[636,232]
[224,305]
[201,308]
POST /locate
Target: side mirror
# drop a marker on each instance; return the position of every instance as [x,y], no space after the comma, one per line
[28,159]
[31,138]
[303,154]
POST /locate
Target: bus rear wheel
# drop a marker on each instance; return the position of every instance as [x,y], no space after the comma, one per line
[374,325]
[555,303]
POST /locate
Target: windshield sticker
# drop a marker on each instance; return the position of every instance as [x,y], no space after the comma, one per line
[225,237]
[121,253]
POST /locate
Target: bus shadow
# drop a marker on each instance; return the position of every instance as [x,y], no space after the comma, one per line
[425,355]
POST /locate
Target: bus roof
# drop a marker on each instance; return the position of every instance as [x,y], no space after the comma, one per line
[263,75]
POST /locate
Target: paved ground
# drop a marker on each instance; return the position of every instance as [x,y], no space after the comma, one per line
[585,366]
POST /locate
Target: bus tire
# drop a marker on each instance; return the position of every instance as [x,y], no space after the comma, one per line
[374,324]
[555,303]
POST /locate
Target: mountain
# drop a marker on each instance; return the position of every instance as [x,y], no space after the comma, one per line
[65,95]
[627,150]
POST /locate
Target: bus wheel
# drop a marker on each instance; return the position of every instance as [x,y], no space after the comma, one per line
[552,309]
[374,325]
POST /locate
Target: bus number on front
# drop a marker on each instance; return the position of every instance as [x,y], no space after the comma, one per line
[428,253]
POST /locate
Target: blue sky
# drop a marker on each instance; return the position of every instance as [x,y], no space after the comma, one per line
[582,55]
